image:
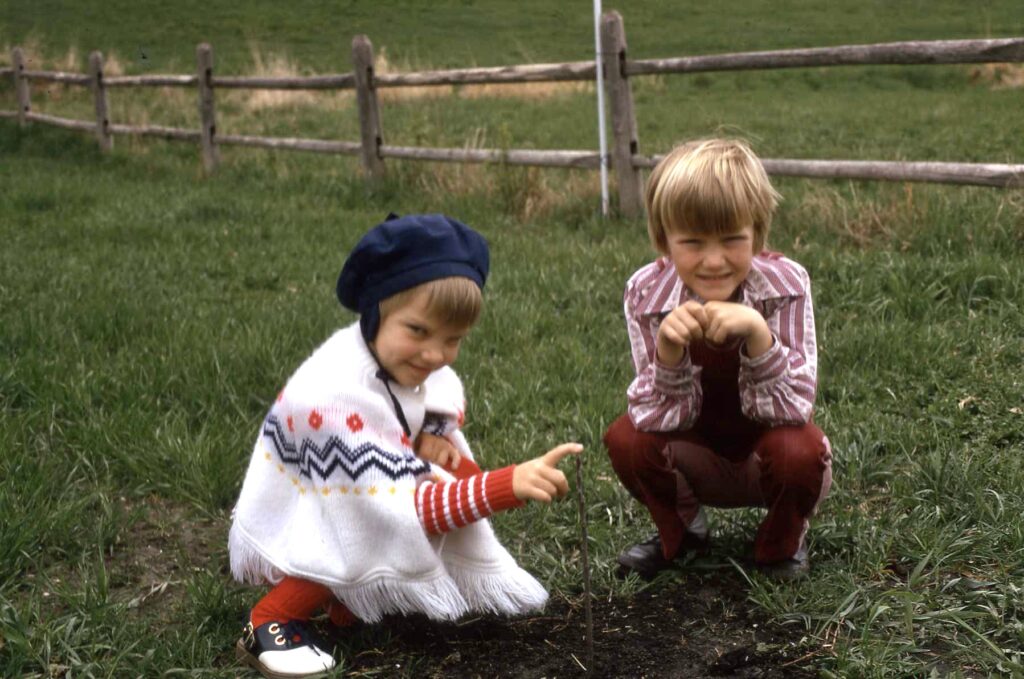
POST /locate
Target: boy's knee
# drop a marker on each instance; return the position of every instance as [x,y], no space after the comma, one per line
[796,455]
[619,433]
[629,448]
[618,441]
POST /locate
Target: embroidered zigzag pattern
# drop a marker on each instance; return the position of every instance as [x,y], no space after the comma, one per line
[335,454]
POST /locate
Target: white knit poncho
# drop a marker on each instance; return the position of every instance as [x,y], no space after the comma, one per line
[329,497]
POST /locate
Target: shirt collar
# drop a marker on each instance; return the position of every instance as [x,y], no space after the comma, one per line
[757,287]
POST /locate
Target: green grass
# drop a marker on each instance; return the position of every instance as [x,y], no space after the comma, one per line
[149,316]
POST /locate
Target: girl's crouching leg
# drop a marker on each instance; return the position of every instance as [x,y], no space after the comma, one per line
[277,641]
[340,615]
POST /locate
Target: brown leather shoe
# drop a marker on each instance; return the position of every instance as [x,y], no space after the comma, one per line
[647,560]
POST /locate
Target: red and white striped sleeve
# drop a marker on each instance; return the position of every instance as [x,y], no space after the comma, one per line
[779,386]
[444,506]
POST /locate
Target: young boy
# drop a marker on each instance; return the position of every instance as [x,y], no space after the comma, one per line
[341,507]
[722,337]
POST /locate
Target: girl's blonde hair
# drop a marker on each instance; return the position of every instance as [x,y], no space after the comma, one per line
[709,186]
[455,301]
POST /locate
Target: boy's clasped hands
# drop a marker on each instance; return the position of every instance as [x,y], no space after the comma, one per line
[712,322]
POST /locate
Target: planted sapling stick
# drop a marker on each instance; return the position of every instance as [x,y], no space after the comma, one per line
[587,613]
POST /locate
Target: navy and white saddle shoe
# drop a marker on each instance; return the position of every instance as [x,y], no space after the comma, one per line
[283,651]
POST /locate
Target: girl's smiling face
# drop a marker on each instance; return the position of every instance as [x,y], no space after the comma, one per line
[411,343]
[712,265]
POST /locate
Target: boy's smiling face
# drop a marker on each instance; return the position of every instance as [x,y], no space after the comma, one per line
[712,265]
[411,343]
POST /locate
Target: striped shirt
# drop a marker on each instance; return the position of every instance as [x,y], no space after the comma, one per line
[443,506]
[775,388]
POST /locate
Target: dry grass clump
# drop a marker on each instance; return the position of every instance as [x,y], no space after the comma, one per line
[998,76]
[72,61]
[534,90]
[524,192]
[273,65]
[890,215]
[30,49]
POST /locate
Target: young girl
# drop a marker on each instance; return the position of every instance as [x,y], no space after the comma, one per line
[362,496]
[723,344]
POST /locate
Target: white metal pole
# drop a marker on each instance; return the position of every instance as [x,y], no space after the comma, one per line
[602,137]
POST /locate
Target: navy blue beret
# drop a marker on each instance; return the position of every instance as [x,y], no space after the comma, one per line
[403,252]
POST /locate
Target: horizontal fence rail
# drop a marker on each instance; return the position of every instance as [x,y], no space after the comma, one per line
[616,69]
[581,159]
[347,148]
[56,121]
[345,81]
[156,131]
[882,54]
[573,70]
[57,77]
[977,174]
[150,81]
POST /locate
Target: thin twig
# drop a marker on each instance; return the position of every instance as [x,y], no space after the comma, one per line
[794,661]
[588,615]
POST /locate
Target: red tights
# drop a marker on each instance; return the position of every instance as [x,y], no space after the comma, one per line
[297,599]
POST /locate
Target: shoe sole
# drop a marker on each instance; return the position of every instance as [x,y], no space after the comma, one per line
[246,658]
[625,569]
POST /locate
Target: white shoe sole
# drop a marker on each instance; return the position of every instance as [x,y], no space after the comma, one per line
[247,658]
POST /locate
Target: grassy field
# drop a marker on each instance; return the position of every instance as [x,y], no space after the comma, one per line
[149,315]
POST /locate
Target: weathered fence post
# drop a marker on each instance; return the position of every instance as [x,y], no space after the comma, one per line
[624,136]
[204,71]
[99,92]
[369,111]
[21,84]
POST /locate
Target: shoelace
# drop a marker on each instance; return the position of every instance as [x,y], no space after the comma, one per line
[296,632]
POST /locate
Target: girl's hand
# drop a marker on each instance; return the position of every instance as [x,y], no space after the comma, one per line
[686,323]
[437,450]
[540,479]
[727,320]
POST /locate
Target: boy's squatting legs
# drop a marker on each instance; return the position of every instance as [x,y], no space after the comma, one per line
[673,474]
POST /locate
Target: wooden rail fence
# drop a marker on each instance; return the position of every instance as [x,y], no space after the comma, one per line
[625,156]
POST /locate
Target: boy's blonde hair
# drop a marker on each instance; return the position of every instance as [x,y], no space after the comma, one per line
[709,186]
[454,300]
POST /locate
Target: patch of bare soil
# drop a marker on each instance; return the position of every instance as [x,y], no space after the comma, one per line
[164,546]
[702,627]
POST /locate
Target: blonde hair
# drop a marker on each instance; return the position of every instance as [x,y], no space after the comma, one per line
[455,300]
[709,186]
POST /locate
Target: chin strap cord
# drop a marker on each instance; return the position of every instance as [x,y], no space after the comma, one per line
[384,377]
